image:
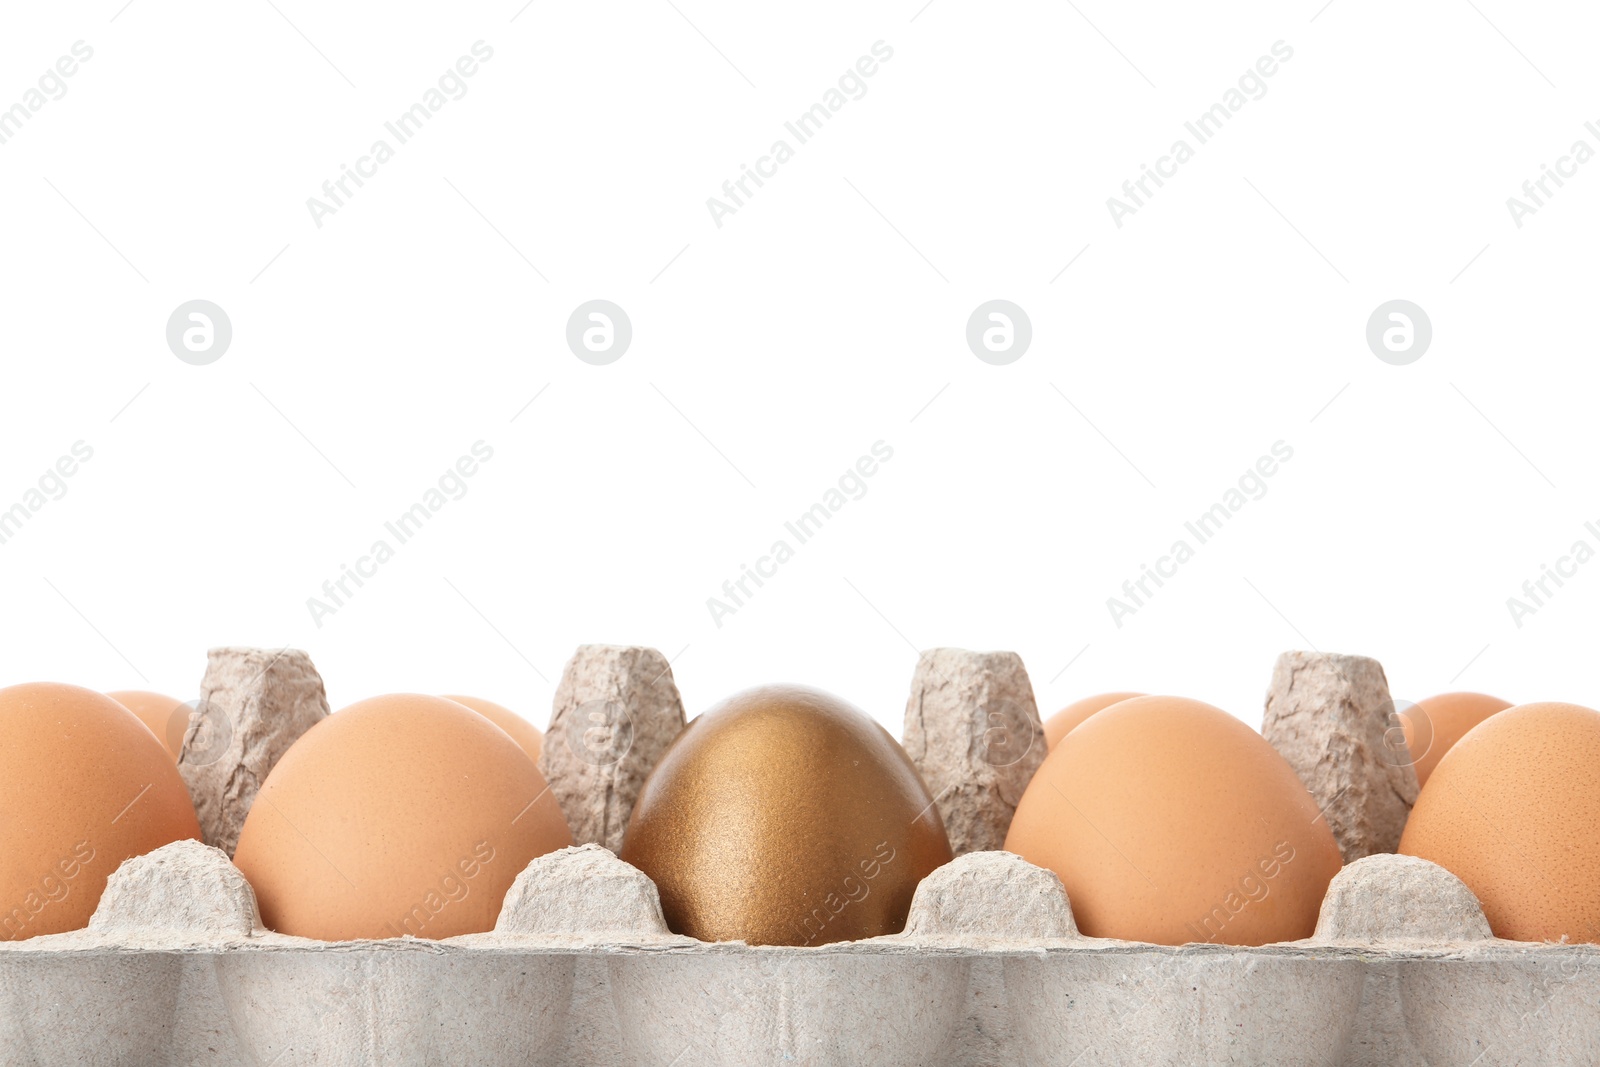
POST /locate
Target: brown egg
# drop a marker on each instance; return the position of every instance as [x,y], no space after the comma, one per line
[83,786]
[1513,810]
[160,713]
[402,814]
[1170,821]
[785,816]
[1433,725]
[1068,718]
[523,732]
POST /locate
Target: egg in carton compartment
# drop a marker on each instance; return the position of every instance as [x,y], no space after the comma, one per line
[176,968]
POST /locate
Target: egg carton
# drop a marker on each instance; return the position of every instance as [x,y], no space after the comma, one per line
[175,969]
[1402,970]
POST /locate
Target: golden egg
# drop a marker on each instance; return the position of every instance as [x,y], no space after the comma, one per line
[1068,718]
[1433,725]
[785,816]
[158,712]
[400,815]
[1170,821]
[523,732]
[1513,810]
[84,785]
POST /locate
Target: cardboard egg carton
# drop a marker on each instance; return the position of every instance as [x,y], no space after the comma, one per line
[991,970]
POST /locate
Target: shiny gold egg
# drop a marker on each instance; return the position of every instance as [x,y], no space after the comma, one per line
[785,816]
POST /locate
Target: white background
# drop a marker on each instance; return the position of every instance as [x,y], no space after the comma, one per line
[768,354]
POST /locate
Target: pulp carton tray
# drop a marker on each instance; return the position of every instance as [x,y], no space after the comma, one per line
[149,995]
[175,968]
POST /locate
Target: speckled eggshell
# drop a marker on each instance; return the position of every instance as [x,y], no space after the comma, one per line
[400,815]
[84,785]
[1434,725]
[1171,821]
[1513,810]
[1071,717]
[159,713]
[523,732]
[785,816]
